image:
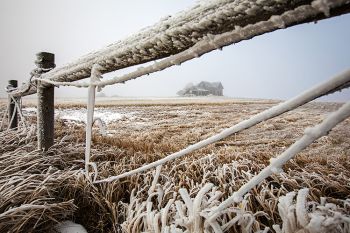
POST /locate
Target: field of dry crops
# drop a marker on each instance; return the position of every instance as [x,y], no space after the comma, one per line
[50,187]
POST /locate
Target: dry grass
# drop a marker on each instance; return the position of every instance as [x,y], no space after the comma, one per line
[54,179]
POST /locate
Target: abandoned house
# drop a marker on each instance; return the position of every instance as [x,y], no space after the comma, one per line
[202,89]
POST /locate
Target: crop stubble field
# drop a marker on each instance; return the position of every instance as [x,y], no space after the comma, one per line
[150,130]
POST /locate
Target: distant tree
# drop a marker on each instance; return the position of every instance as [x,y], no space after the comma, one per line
[184,90]
[100,94]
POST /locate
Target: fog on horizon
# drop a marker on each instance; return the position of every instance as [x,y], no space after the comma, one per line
[277,65]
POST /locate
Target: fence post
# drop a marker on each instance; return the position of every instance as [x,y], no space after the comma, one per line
[46,108]
[12,113]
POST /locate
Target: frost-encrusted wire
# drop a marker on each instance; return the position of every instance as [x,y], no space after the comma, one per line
[198,31]
[310,135]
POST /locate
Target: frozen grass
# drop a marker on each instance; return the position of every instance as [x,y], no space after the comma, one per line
[39,189]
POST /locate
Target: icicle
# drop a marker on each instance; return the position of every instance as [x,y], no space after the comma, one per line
[95,74]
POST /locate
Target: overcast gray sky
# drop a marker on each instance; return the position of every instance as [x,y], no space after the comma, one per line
[277,65]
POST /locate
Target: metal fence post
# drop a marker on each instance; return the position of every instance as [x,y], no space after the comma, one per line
[12,113]
[46,109]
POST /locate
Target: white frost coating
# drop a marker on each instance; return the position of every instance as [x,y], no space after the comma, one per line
[212,42]
[322,5]
[23,207]
[299,100]
[30,109]
[286,211]
[155,180]
[278,21]
[300,209]
[318,131]
[95,76]
[79,115]
[78,84]
[297,217]
[276,170]
[197,203]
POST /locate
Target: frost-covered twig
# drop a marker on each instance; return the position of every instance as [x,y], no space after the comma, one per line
[297,218]
[297,101]
[155,180]
[24,207]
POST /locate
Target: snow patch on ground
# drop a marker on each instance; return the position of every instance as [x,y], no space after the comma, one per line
[70,227]
[33,109]
[107,115]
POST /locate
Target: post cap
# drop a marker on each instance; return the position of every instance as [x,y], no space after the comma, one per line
[13,83]
[45,60]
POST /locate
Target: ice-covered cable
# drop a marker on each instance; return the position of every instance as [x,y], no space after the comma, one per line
[293,103]
[203,44]
[310,135]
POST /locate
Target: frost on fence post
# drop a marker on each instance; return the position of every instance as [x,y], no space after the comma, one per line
[46,109]
[95,78]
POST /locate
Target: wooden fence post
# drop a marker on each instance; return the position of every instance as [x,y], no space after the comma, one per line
[46,108]
[12,113]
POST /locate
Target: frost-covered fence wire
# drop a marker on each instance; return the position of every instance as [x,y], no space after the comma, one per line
[307,96]
[310,135]
[201,23]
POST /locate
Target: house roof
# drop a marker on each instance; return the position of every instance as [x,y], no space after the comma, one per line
[211,84]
